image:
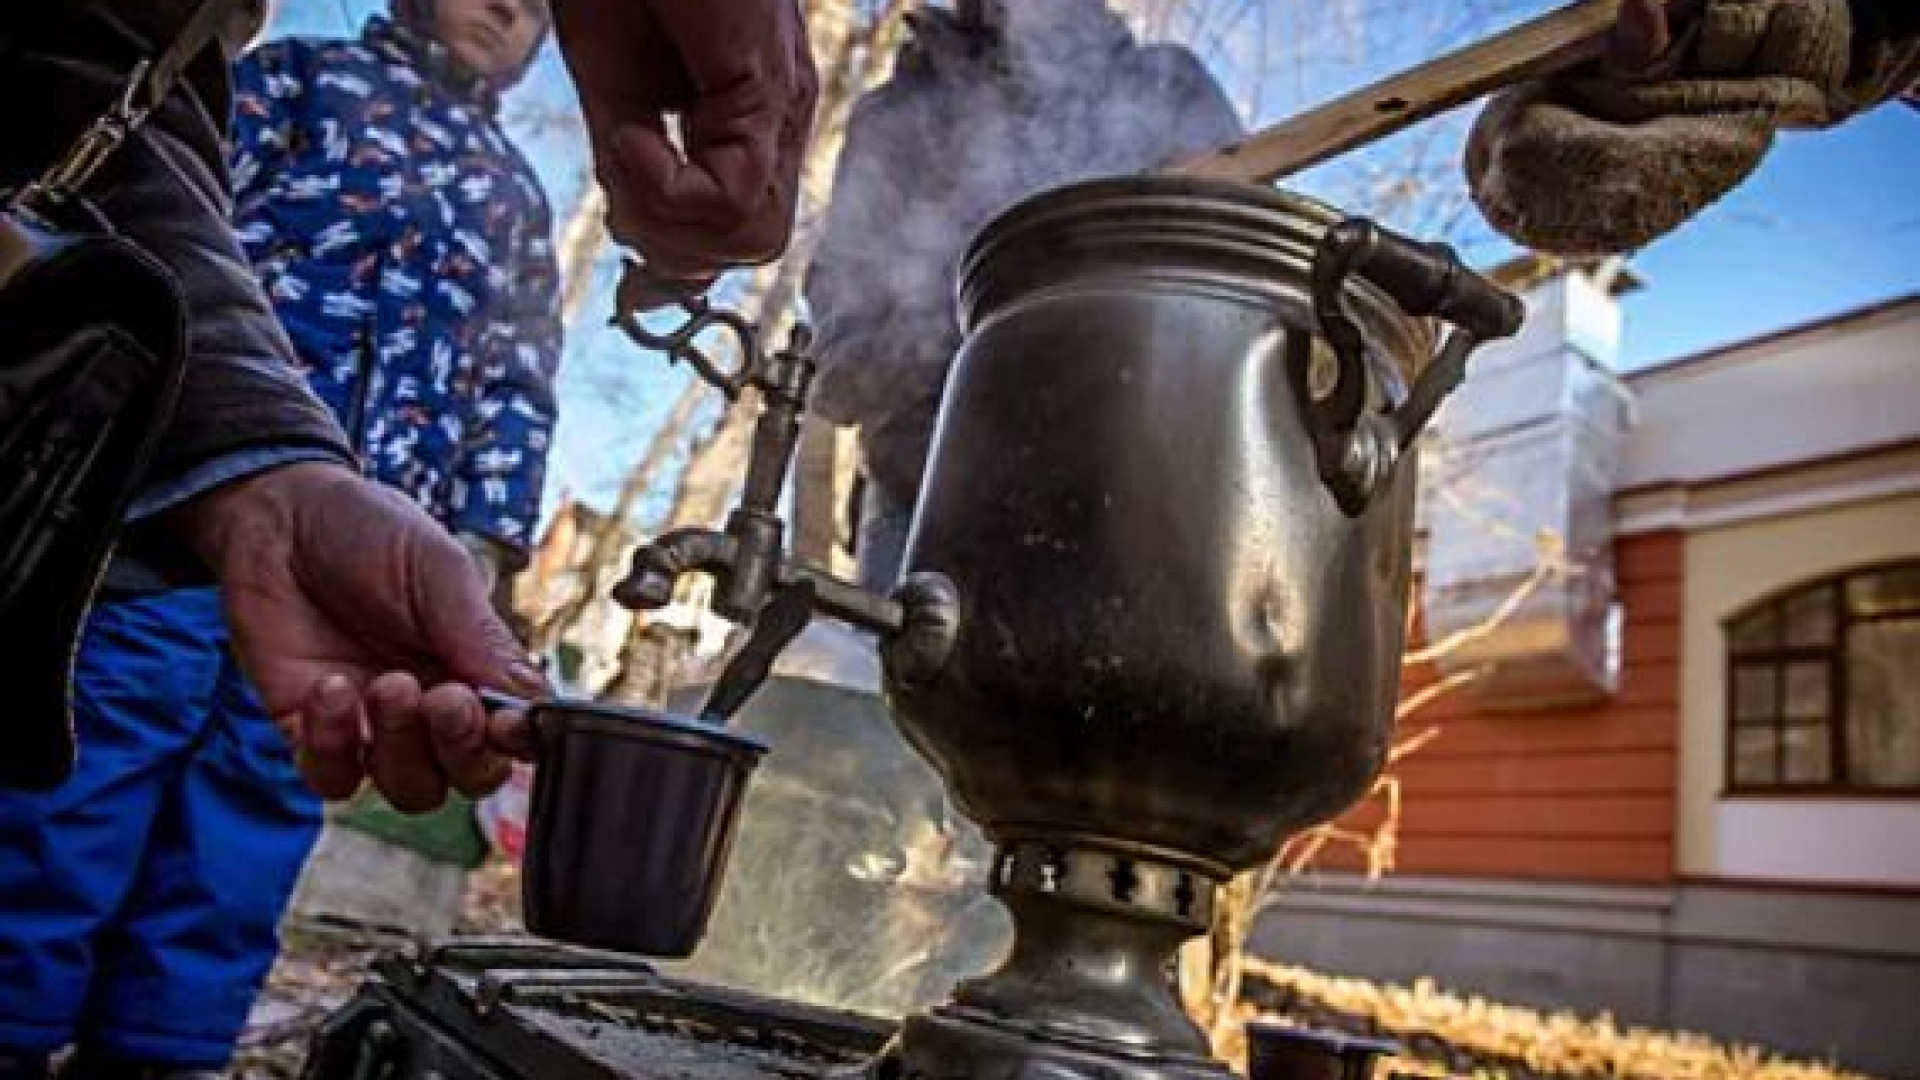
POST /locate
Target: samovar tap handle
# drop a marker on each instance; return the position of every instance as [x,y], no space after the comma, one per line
[917,624]
[640,290]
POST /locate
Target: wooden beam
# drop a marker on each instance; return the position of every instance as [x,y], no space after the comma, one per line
[1552,43]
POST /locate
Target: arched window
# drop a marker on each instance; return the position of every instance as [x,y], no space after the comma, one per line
[1823,686]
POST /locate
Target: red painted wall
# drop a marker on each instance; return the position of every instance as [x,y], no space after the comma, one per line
[1571,794]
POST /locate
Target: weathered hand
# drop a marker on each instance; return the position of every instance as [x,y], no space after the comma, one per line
[741,79]
[365,628]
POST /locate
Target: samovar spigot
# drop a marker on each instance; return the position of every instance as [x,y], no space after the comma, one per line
[747,559]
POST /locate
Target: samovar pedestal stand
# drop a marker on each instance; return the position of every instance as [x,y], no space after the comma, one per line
[1086,989]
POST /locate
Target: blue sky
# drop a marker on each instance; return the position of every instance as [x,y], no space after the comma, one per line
[1831,222]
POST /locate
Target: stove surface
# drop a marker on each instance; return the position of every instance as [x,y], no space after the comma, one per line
[512,1008]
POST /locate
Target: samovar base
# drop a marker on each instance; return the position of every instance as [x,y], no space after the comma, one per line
[954,1043]
[1086,992]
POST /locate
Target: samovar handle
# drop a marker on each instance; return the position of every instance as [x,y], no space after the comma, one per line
[1357,451]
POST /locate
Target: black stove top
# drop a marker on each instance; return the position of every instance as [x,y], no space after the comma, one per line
[506,1008]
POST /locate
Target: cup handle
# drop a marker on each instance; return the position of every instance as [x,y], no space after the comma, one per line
[1356,452]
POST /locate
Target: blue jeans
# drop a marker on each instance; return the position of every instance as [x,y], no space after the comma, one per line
[140,902]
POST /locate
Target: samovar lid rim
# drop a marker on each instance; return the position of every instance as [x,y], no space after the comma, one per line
[1223,223]
[1114,192]
[1163,185]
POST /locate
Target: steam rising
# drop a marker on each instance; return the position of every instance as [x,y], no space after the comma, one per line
[972,123]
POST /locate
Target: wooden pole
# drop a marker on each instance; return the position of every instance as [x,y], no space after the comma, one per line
[1552,43]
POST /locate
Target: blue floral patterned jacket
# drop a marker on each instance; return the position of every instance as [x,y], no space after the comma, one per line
[406,245]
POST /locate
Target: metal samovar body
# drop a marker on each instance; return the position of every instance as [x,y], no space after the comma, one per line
[1157,580]
[1174,648]
[1171,635]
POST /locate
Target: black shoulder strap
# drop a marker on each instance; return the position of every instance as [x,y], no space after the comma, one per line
[147,88]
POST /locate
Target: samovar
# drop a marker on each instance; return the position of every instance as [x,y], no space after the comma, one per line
[1155,592]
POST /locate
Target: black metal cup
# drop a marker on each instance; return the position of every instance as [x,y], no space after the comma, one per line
[1284,1052]
[632,821]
